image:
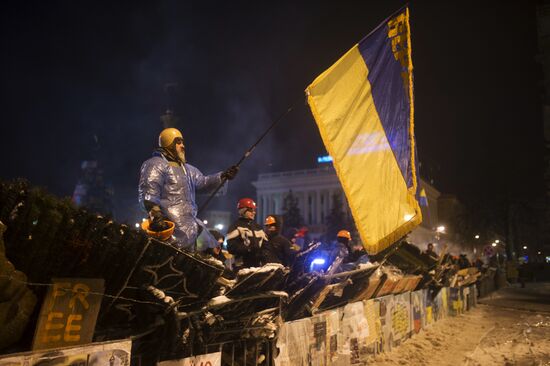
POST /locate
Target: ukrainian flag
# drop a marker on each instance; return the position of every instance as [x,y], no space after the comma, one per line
[363,105]
[423,198]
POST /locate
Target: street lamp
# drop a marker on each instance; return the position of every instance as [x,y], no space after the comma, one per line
[525,247]
[497,241]
[477,236]
[494,244]
[440,229]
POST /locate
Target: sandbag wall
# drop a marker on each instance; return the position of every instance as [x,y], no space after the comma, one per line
[349,334]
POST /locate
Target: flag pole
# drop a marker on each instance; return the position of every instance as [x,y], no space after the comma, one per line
[242,159]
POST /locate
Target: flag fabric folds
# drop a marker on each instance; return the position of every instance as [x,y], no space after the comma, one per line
[363,106]
[423,198]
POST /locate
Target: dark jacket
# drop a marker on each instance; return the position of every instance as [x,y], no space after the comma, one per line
[245,239]
[278,250]
[355,255]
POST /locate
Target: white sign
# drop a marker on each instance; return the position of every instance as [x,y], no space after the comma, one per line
[112,353]
[210,359]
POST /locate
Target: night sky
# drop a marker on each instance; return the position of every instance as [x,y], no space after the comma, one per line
[76,71]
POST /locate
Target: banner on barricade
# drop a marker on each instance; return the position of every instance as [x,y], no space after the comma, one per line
[103,353]
[401,318]
[385,305]
[441,304]
[326,347]
[69,313]
[348,335]
[372,311]
[293,343]
[455,301]
[418,311]
[356,330]
[210,359]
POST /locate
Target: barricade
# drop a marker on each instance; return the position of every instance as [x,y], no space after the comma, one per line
[349,334]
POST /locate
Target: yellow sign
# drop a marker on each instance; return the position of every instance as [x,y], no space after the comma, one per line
[69,313]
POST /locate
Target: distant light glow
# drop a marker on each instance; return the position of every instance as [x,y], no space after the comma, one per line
[525,247]
[497,241]
[219,226]
[324,159]
[137,225]
[547,259]
[539,253]
[494,244]
[205,222]
[440,229]
[477,236]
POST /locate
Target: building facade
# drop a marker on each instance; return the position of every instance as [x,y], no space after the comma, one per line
[315,189]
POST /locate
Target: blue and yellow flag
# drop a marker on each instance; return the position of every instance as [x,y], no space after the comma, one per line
[423,198]
[363,105]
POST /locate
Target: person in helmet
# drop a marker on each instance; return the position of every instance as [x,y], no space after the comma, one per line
[278,249]
[167,187]
[246,237]
[355,252]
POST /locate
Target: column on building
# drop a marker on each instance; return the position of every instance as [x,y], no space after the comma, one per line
[270,204]
[314,207]
[318,207]
[307,208]
[260,208]
[278,204]
[301,203]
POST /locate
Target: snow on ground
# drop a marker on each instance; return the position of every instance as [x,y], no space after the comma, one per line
[486,335]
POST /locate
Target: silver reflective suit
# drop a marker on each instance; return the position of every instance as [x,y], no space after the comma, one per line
[172,186]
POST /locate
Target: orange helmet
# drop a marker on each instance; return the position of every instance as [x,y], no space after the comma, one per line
[344,234]
[270,220]
[161,235]
[246,203]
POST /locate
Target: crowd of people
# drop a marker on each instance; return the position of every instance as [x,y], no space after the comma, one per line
[167,188]
[460,261]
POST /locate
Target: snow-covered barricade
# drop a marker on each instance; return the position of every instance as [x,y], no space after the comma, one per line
[174,304]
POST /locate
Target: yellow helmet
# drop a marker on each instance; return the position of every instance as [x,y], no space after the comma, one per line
[168,135]
[344,234]
[270,220]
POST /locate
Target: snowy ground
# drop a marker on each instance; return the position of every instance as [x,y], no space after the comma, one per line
[510,328]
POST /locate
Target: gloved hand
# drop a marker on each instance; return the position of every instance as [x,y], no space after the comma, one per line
[230,173]
[157,220]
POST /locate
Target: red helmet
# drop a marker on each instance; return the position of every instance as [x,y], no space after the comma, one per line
[246,203]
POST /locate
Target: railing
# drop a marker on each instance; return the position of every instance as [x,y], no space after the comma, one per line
[297,173]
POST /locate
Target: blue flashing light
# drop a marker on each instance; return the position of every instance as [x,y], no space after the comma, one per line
[316,262]
[324,159]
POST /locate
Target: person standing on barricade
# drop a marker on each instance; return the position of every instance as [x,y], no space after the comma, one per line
[356,252]
[246,237]
[278,249]
[167,187]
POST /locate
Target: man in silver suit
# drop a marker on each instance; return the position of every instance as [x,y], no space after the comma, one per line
[167,188]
